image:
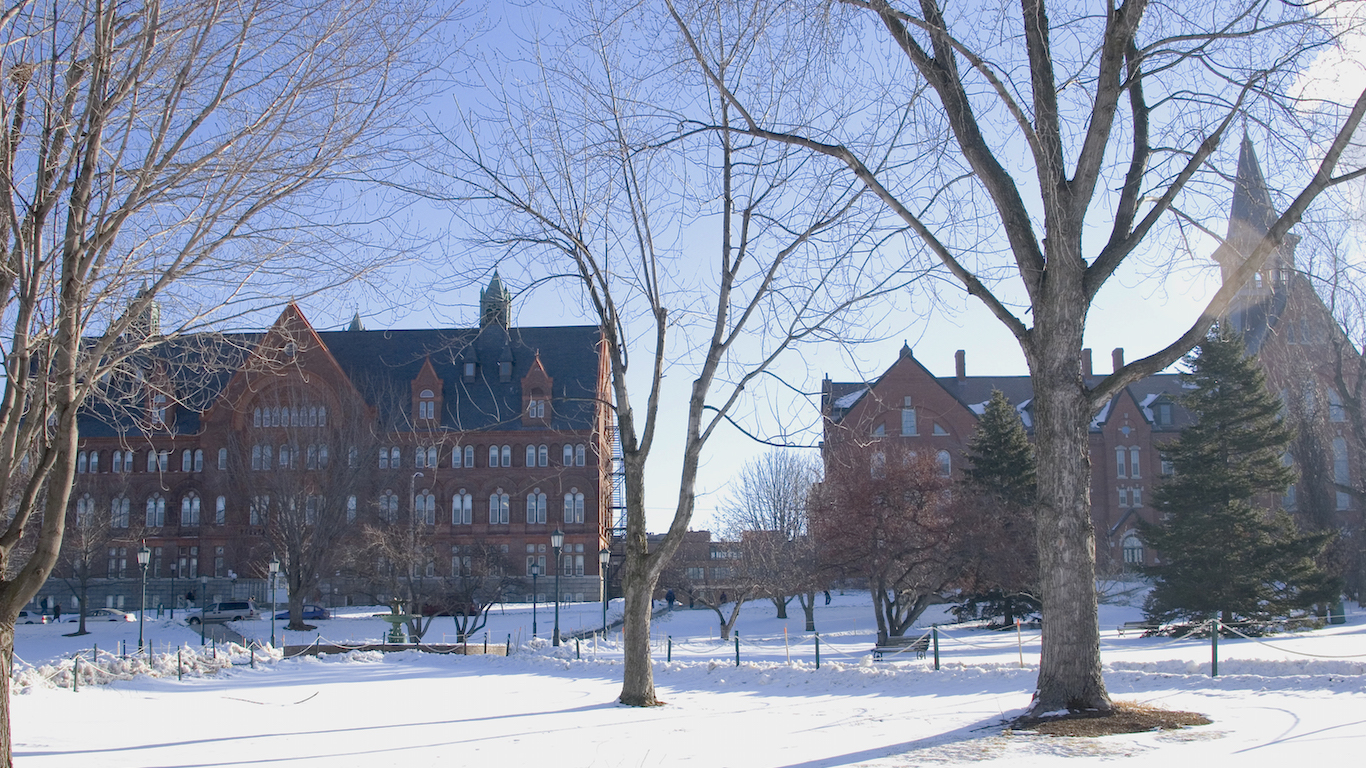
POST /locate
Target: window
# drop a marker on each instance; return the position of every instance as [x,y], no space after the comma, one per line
[542,456]
[312,504]
[940,431]
[151,461]
[697,574]
[426,405]
[879,431]
[194,563]
[568,455]
[505,371]
[420,457]
[462,508]
[220,510]
[578,455]
[156,511]
[222,458]
[117,462]
[1335,411]
[424,507]
[256,462]
[1133,462]
[256,416]
[945,463]
[573,506]
[493,455]
[908,427]
[384,458]
[431,456]
[1121,462]
[537,560]
[535,507]
[1341,472]
[1168,468]
[531,455]
[1133,549]
[535,409]
[578,564]
[189,509]
[85,510]
[286,457]
[81,461]
[877,465]
[218,562]
[158,410]
[460,564]
[394,461]
[469,370]
[118,512]
[1164,414]
[186,460]
[322,457]
[388,506]
[118,561]
[498,508]
[350,509]
[1136,496]
[1124,497]
[260,510]
[469,456]
[507,455]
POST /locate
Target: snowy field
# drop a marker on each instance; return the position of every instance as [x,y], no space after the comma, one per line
[1278,702]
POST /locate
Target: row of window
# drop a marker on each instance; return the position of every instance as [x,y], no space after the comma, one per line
[499,510]
[184,565]
[1126,462]
[1131,496]
[942,459]
[289,416]
[425,457]
[191,460]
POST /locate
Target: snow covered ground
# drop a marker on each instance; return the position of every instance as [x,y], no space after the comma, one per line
[1280,701]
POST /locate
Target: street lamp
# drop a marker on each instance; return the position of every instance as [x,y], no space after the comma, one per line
[604,555]
[203,605]
[535,572]
[173,590]
[274,569]
[557,541]
[144,557]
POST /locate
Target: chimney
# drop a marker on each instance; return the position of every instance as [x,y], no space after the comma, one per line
[1086,363]
[960,365]
[1117,358]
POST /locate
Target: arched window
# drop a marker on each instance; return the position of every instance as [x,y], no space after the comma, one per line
[1121,462]
[94,462]
[189,509]
[222,458]
[311,457]
[573,506]
[384,458]
[543,456]
[80,463]
[156,511]
[322,457]
[578,455]
[151,461]
[493,455]
[186,460]
[256,416]
[945,463]
[498,508]
[118,512]
[350,509]
[424,507]
[535,507]
[531,455]
[568,455]
[85,510]
[1133,549]
[462,508]
[388,506]
[117,462]
[220,510]
[507,455]
[469,456]
[286,457]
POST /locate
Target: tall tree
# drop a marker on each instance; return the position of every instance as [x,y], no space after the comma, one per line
[1000,477]
[1005,149]
[173,142]
[1220,553]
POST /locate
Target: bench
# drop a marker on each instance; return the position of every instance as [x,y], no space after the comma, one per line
[1140,626]
[893,646]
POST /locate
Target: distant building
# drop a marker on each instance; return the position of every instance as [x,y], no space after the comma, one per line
[494,434]
[1284,322]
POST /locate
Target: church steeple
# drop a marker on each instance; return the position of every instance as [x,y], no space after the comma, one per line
[495,304]
[1250,217]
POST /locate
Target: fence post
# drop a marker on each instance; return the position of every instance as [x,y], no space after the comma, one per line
[507,651]
[934,633]
[251,648]
[578,656]
[818,651]
[76,673]
[179,665]
[486,643]
[670,656]
[1214,648]
[737,649]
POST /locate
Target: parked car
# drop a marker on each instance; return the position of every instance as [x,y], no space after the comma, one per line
[29,617]
[102,614]
[311,613]
[233,610]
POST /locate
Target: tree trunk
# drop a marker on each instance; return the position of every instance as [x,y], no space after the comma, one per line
[781,604]
[296,612]
[6,669]
[808,601]
[1069,668]
[638,682]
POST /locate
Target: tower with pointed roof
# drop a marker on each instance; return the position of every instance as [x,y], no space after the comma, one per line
[495,304]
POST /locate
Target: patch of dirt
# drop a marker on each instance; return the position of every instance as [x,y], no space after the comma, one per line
[1126,717]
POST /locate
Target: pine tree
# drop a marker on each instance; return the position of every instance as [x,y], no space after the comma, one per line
[1219,553]
[1000,476]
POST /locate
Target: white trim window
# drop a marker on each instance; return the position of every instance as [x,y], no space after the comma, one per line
[156,511]
[498,508]
[424,507]
[535,507]
[189,509]
[462,508]
[573,506]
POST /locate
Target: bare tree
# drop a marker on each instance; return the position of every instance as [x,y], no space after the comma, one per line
[183,143]
[88,534]
[887,517]
[580,182]
[767,513]
[1006,151]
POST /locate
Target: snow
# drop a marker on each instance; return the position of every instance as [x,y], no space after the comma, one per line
[848,400]
[1271,703]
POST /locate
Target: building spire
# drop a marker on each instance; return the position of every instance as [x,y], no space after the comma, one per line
[1251,198]
[495,304]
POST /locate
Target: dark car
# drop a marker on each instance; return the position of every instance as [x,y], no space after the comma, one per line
[311,613]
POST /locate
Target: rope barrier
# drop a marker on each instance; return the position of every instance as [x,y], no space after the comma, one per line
[1297,653]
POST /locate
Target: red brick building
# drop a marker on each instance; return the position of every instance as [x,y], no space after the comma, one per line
[491,435]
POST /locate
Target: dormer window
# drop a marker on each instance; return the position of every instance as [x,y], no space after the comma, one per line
[158,410]
[505,371]
[1162,414]
[469,371]
[535,409]
[426,404]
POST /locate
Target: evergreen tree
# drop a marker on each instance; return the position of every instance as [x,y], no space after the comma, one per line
[1000,477]
[1219,553]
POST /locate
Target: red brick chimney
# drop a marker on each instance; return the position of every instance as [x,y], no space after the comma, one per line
[1117,358]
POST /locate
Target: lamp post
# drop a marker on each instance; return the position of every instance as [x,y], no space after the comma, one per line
[173,590]
[535,572]
[557,541]
[203,605]
[604,556]
[144,557]
[274,569]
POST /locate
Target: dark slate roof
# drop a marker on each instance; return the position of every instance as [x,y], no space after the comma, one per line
[382,366]
[1251,199]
